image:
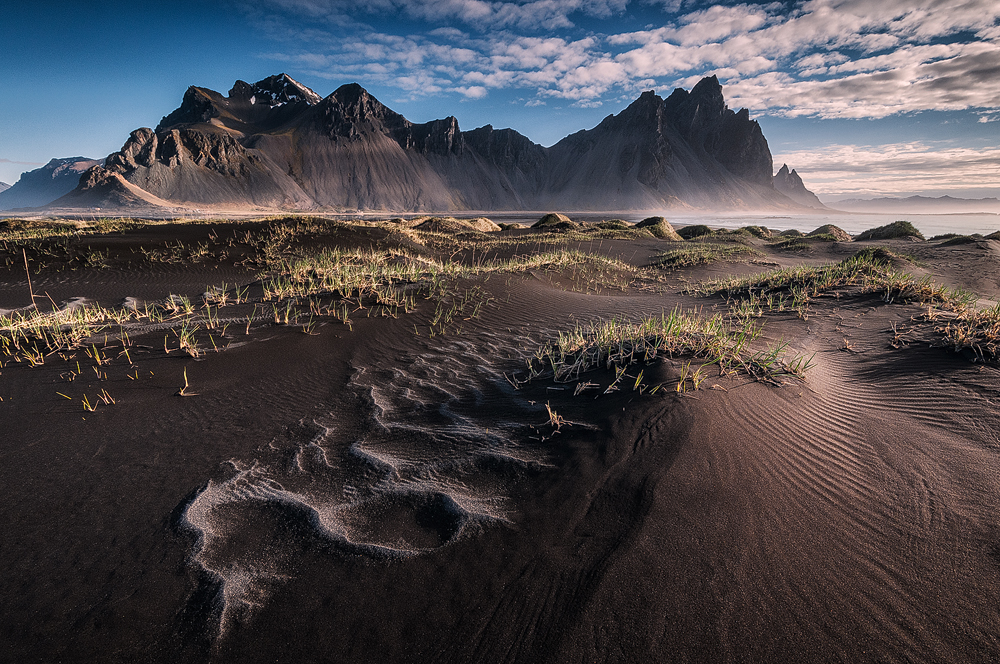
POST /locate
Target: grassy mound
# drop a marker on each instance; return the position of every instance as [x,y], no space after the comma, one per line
[621,343]
[961,239]
[555,221]
[452,225]
[895,230]
[795,244]
[702,254]
[791,232]
[829,232]
[614,225]
[758,231]
[993,236]
[697,230]
[660,228]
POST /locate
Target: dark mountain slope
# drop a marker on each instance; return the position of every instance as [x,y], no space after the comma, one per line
[688,148]
[277,144]
[790,184]
[43,185]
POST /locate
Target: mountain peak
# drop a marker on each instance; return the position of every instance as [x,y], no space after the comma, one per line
[197,106]
[351,92]
[274,143]
[358,104]
[46,183]
[789,183]
[273,91]
[707,86]
[282,88]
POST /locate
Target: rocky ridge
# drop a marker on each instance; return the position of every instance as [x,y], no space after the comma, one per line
[45,184]
[790,184]
[277,144]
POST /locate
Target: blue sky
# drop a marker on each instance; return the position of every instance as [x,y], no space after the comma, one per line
[862,97]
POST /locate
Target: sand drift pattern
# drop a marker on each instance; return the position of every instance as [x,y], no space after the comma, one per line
[407,462]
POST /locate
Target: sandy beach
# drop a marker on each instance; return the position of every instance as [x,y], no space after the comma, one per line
[298,439]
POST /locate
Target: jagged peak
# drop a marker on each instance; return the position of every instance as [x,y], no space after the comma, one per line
[349,92]
[783,171]
[197,106]
[284,89]
[356,103]
[276,90]
[648,104]
[708,86]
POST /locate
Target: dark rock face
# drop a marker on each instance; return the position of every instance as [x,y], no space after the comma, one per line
[688,148]
[197,106]
[274,91]
[101,187]
[509,150]
[43,185]
[351,112]
[276,143]
[790,184]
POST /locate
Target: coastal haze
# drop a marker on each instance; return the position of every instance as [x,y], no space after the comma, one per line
[515,331]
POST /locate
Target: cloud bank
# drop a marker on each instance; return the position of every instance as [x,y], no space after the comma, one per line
[863,171]
[818,58]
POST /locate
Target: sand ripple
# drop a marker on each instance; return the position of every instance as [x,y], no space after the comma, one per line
[412,458]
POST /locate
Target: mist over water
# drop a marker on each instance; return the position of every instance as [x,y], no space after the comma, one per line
[928,224]
[854,223]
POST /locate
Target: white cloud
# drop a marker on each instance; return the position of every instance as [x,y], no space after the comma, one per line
[839,171]
[472,91]
[966,81]
[21,163]
[824,58]
[529,14]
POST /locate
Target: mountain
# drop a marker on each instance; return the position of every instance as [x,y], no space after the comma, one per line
[277,144]
[44,185]
[790,184]
[4,187]
[920,205]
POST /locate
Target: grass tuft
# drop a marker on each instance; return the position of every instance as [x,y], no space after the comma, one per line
[618,344]
[897,229]
[703,253]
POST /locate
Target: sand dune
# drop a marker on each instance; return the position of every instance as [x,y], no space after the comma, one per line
[381,490]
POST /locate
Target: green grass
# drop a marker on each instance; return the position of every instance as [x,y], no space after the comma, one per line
[703,253]
[953,314]
[960,239]
[618,344]
[693,231]
[869,271]
[614,225]
[758,231]
[823,237]
[375,273]
[790,244]
[897,229]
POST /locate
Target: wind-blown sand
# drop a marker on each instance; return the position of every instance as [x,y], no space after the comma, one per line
[374,493]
